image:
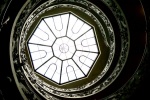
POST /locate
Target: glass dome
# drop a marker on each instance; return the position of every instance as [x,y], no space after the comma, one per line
[63,47]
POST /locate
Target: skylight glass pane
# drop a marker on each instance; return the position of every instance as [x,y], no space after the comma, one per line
[50,72]
[58,24]
[43,70]
[71,73]
[84,60]
[87,42]
[79,73]
[71,69]
[76,27]
[42,35]
[93,56]
[40,54]
[64,78]
[56,77]
[51,69]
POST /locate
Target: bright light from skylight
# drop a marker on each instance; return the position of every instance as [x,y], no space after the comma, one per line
[63,48]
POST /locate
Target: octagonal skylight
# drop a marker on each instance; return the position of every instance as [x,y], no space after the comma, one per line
[63,48]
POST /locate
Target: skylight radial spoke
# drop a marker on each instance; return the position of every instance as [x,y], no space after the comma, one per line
[40,54]
[87,42]
[51,69]
[84,60]
[58,24]
[76,27]
[49,28]
[40,44]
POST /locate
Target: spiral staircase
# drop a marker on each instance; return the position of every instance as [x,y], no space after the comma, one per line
[113,67]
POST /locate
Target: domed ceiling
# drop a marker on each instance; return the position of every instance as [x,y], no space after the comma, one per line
[77,49]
